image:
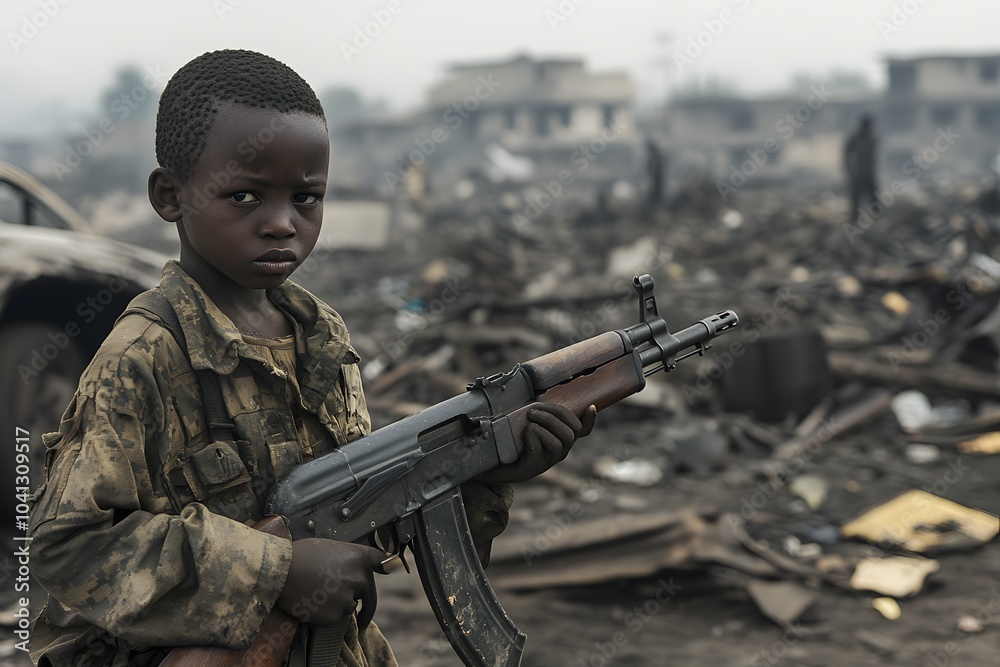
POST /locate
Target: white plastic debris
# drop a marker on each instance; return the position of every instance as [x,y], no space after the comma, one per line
[636,471]
[912,409]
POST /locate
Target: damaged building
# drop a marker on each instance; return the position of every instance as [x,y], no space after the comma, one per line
[930,104]
[520,119]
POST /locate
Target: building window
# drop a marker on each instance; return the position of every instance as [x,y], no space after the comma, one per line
[899,118]
[741,119]
[609,115]
[542,123]
[565,114]
[944,115]
[510,118]
[988,117]
[988,72]
[902,77]
[755,153]
[539,72]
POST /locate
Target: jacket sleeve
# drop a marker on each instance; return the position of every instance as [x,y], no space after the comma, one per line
[109,547]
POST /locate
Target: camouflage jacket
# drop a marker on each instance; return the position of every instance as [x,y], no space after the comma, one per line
[141,530]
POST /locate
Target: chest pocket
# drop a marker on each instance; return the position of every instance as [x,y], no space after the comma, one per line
[218,478]
[211,473]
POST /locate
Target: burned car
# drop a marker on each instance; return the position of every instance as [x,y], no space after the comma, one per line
[61,288]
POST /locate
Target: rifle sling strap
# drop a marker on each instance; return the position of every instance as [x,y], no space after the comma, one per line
[323,643]
[219,425]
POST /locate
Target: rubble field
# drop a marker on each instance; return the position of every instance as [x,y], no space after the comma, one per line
[820,488]
[706,520]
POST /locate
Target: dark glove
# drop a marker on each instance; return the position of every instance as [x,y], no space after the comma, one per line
[327,578]
[548,437]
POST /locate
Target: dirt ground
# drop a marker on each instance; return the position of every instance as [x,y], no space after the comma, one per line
[708,618]
[711,620]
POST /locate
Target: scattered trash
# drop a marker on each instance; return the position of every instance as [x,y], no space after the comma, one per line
[914,412]
[988,443]
[970,625]
[637,472]
[695,444]
[921,522]
[912,409]
[730,218]
[826,534]
[895,575]
[781,601]
[833,564]
[897,303]
[887,607]
[849,286]
[794,547]
[920,454]
[810,488]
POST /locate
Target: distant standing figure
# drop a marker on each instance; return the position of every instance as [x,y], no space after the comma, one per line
[859,161]
[655,168]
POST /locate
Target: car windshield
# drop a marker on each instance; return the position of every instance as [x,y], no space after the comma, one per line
[17,208]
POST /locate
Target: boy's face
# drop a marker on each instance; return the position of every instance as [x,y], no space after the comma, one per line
[253,206]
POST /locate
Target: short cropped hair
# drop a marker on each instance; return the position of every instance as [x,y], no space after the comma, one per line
[194,93]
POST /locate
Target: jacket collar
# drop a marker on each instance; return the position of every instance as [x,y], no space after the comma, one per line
[321,338]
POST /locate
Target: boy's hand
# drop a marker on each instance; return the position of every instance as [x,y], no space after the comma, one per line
[548,437]
[343,571]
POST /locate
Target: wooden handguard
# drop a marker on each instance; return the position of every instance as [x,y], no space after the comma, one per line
[555,367]
[268,648]
[615,376]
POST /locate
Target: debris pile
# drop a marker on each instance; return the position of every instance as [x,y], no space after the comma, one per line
[860,388]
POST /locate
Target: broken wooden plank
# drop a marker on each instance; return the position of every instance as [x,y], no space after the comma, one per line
[953,377]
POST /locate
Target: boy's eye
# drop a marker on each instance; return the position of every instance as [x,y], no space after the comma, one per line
[243,197]
[305,199]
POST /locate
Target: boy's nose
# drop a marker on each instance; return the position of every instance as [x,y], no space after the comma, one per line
[279,223]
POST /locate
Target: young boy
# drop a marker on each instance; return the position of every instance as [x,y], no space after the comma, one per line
[142,530]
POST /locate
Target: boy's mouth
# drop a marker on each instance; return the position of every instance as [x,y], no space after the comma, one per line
[277,255]
[279,260]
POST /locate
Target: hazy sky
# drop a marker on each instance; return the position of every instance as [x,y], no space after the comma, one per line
[67,61]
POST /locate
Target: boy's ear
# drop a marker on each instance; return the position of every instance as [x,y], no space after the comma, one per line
[163,190]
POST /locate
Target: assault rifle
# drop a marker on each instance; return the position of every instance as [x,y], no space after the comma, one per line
[406,478]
